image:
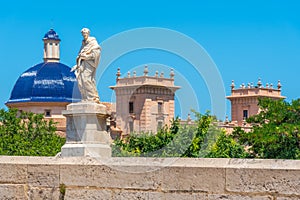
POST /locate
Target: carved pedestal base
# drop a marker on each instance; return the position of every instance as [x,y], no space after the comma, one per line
[86,131]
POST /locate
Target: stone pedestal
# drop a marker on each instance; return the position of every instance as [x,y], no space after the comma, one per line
[86,130]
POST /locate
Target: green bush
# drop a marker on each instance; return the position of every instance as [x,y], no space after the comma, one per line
[27,134]
[227,147]
[177,141]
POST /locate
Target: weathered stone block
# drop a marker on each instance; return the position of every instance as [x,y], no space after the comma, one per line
[288,198]
[16,192]
[193,179]
[185,196]
[43,175]
[104,176]
[263,180]
[87,194]
[12,173]
[137,195]
[43,193]
[237,197]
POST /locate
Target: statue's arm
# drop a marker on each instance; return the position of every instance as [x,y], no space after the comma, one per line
[93,54]
[90,56]
[75,67]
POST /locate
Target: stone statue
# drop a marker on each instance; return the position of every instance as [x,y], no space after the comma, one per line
[86,64]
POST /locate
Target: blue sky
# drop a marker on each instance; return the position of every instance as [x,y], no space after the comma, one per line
[245,39]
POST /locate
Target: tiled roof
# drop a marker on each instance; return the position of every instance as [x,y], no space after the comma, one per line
[46,82]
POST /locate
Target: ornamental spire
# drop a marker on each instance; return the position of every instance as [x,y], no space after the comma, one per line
[51,46]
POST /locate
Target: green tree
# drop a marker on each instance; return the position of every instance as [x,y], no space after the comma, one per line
[177,141]
[275,131]
[227,146]
[27,134]
[145,144]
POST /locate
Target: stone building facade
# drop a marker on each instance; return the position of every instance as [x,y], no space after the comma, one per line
[244,100]
[144,103]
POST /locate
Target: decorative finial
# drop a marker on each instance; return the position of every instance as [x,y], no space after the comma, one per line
[259,84]
[226,120]
[146,70]
[134,73]
[248,85]
[279,85]
[243,85]
[189,117]
[118,74]
[267,85]
[172,74]
[271,85]
[161,74]
[156,74]
[232,85]
[128,74]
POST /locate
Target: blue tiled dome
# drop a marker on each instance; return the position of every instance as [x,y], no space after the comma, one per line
[46,82]
[51,34]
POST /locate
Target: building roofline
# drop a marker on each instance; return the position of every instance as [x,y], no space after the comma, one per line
[30,104]
[256,88]
[141,85]
[246,96]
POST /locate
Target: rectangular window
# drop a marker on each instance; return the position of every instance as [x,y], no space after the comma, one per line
[131,107]
[159,107]
[131,127]
[50,50]
[245,114]
[47,113]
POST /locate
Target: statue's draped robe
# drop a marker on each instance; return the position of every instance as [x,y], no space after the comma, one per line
[87,69]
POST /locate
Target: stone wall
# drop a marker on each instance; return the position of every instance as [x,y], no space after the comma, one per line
[153,178]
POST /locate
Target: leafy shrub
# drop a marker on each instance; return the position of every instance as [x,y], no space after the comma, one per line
[177,141]
[27,134]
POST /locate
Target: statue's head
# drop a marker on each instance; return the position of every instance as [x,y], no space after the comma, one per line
[85,33]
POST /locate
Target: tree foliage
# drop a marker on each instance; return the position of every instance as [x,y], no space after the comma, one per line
[275,134]
[227,147]
[27,134]
[177,141]
[276,130]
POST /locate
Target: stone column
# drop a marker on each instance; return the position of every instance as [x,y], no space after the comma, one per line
[86,131]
